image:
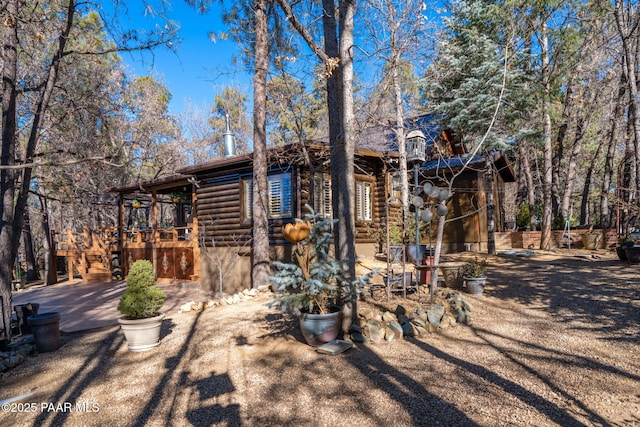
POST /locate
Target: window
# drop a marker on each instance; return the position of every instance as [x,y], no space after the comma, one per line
[322,194]
[279,195]
[322,197]
[364,194]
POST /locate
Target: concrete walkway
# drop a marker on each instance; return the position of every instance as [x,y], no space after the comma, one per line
[84,307]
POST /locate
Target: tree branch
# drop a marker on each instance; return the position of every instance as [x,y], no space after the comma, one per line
[330,63]
[102,159]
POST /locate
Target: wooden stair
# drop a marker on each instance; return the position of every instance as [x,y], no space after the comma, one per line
[95,270]
[89,256]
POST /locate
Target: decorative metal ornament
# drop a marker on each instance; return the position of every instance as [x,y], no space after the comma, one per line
[442,210]
[443,194]
[296,232]
[417,201]
[428,188]
[426,215]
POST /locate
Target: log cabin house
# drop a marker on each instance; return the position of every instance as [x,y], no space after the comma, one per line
[197,224]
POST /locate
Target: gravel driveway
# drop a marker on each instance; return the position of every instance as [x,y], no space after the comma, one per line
[554,341]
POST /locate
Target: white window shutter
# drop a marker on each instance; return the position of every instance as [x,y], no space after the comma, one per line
[248,198]
[280,196]
[359,200]
[364,194]
[275,197]
[367,208]
[326,197]
[318,193]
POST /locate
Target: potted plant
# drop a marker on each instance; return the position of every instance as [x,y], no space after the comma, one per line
[475,275]
[175,197]
[416,255]
[591,239]
[309,285]
[136,204]
[624,242]
[396,246]
[140,306]
[628,250]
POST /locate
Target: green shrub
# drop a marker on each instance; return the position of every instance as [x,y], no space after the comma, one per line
[142,298]
[560,222]
[395,235]
[524,216]
[476,268]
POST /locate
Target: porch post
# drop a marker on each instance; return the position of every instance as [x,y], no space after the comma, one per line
[154,231]
[195,236]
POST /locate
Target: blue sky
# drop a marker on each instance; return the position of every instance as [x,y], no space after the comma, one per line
[199,68]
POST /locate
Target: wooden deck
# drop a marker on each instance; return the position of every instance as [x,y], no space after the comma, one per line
[102,255]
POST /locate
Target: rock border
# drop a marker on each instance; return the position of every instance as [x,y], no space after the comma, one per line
[377,326]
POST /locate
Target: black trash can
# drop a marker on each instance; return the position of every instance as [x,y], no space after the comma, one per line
[46,331]
[23,311]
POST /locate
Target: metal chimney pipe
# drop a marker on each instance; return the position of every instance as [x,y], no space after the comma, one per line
[229,140]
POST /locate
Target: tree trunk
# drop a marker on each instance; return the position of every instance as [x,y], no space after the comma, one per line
[27,245]
[399,109]
[559,174]
[342,164]
[491,208]
[584,211]
[570,173]
[547,183]
[338,43]
[261,261]
[630,176]
[7,158]
[612,131]
[436,258]
[50,265]
[627,29]
[334,79]
[12,214]
[525,170]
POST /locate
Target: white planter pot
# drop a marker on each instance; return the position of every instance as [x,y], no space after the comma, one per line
[141,334]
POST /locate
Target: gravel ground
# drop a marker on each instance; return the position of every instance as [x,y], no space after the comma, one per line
[554,341]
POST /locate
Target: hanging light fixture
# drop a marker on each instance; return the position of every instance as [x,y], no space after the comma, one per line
[416,146]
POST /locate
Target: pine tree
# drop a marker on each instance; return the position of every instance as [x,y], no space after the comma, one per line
[476,74]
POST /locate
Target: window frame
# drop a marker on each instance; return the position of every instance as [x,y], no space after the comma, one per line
[324,192]
[285,189]
[363,183]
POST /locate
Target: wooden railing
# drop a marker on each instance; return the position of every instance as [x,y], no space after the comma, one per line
[91,252]
[173,234]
